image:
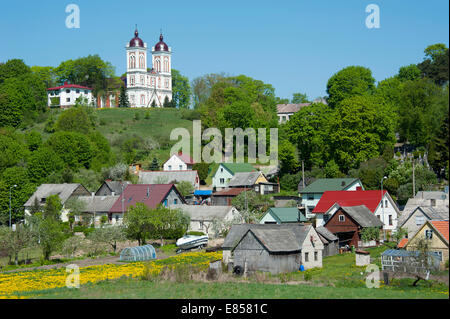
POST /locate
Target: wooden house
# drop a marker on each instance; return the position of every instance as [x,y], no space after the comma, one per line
[348,222]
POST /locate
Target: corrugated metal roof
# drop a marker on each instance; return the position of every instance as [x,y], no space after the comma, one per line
[276,241]
[244,179]
[165,177]
[322,185]
[238,167]
[286,214]
[371,199]
[98,203]
[326,233]
[204,212]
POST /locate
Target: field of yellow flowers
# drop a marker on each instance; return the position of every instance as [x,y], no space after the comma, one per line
[12,284]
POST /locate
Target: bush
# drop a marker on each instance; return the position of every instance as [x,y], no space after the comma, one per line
[307,276]
[446,264]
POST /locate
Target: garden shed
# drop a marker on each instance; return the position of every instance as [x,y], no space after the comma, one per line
[139,253]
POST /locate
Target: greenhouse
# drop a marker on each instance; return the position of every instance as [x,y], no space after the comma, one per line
[139,253]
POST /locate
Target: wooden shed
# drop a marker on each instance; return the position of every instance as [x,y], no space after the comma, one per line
[330,241]
[268,250]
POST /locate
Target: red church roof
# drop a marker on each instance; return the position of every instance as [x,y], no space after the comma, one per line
[150,194]
[371,199]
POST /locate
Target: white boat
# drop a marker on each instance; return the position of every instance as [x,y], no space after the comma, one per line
[191,241]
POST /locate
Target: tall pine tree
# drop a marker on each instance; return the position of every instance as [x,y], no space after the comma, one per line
[123,98]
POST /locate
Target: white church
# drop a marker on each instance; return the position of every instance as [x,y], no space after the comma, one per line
[147,88]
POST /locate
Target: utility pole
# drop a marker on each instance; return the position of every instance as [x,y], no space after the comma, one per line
[303,175]
[10,225]
[382,206]
[414,179]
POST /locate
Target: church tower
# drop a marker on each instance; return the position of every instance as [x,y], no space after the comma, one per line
[148,87]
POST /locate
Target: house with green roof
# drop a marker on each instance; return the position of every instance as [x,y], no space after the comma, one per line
[226,171]
[311,194]
[282,215]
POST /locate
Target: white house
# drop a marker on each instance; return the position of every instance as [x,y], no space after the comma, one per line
[226,171]
[211,220]
[312,193]
[179,162]
[285,111]
[64,96]
[380,204]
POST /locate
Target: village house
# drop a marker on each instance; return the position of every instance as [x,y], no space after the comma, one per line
[437,200]
[379,203]
[95,207]
[419,216]
[64,191]
[110,187]
[273,248]
[348,222]
[437,234]
[167,177]
[329,240]
[226,171]
[65,96]
[312,193]
[211,220]
[281,215]
[253,180]
[179,162]
[285,111]
[150,195]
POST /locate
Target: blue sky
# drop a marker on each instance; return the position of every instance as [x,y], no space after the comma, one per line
[294,45]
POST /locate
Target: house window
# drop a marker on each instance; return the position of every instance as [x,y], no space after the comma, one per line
[181,167]
[85,91]
[222,181]
[315,256]
[386,203]
[78,91]
[175,201]
[420,220]
[341,218]
[326,217]
[390,220]
[433,202]
[379,217]
[170,167]
[165,202]
[429,233]
[67,91]
[439,254]
[270,188]
[310,196]
[257,188]
[68,99]
[306,257]
[221,170]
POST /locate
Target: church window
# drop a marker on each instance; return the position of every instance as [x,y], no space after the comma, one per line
[159,82]
[132,61]
[158,66]
[132,80]
[141,61]
[142,79]
[132,99]
[143,99]
[153,81]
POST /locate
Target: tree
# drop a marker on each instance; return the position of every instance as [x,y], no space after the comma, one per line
[33,140]
[52,208]
[13,69]
[123,98]
[363,126]
[202,170]
[14,241]
[46,74]
[331,170]
[349,82]
[108,235]
[435,50]
[251,205]
[73,244]
[436,67]
[12,150]
[399,234]
[75,149]
[287,155]
[185,188]
[51,235]
[167,223]
[42,163]
[136,221]
[167,102]
[181,90]
[370,233]
[299,98]
[202,86]
[154,166]
[74,119]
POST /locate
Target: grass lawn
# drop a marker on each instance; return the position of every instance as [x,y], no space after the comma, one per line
[135,289]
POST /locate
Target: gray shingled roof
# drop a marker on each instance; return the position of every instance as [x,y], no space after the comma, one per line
[363,216]
[204,212]
[166,177]
[244,179]
[64,191]
[428,211]
[276,241]
[431,195]
[98,203]
[238,231]
[290,108]
[326,233]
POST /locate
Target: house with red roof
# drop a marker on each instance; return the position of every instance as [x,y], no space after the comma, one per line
[179,162]
[65,96]
[436,232]
[151,195]
[380,203]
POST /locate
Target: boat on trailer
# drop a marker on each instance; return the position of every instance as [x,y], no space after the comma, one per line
[189,242]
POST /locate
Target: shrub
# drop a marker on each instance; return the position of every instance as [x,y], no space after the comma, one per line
[446,264]
[196,233]
[307,276]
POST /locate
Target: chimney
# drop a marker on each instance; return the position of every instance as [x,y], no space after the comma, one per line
[358,188]
[112,193]
[343,183]
[180,152]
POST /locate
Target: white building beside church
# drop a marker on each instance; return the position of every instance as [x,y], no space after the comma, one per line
[145,86]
